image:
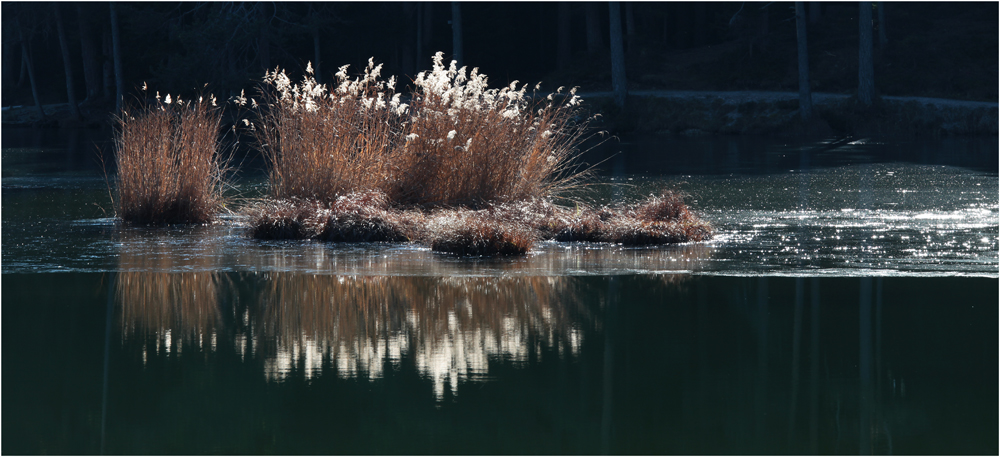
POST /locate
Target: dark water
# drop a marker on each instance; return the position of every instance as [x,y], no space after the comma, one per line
[848,305]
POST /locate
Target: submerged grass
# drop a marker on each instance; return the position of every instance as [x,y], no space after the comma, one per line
[169,166]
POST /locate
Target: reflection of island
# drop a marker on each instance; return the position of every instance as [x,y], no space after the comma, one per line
[166,310]
[545,259]
[304,325]
[450,326]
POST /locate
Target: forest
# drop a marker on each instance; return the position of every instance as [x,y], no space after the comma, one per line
[945,49]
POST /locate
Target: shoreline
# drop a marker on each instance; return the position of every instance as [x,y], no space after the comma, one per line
[695,113]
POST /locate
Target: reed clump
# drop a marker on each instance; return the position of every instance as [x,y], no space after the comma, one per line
[453,142]
[497,229]
[479,233]
[170,169]
[355,217]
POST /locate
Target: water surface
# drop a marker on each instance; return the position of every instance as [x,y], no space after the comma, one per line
[846,305]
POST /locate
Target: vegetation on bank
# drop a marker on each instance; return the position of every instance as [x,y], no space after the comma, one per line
[454,165]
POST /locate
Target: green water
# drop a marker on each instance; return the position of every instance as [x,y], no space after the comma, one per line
[847,305]
[624,364]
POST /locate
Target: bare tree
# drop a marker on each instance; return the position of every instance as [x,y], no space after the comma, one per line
[866,65]
[26,55]
[592,15]
[117,54]
[805,94]
[618,83]
[630,26]
[264,39]
[107,65]
[456,33]
[815,12]
[882,38]
[74,110]
[407,45]
[89,53]
[564,47]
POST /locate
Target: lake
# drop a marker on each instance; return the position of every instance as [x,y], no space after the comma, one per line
[848,304]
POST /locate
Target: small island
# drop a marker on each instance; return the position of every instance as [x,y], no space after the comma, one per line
[454,165]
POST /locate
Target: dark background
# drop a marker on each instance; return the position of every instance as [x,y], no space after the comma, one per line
[946,50]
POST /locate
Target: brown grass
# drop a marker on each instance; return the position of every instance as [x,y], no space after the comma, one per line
[479,233]
[169,166]
[286,219]
[455,143]
[355,217]
[497,229]
[463,168]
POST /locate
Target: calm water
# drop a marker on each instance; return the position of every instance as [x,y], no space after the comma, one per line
[847,305]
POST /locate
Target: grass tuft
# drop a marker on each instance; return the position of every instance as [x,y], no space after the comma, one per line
[169,166]
[479,233]
[366,216]
[286,219]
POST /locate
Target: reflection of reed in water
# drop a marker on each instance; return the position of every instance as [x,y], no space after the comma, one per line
[603,258]
[548,258]
[172,309]
[453,327]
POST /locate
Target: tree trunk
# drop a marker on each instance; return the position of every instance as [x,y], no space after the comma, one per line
[9,48]
[866,65]
[763,28]
[681,19]
[618,82]
[564,48]
[805,94]
[421,12]
[428,25]
[409,13]
[316,54]
[700,24]
[117,57]
[594,42]
[815,12]
[629,26]
[882,37]
[666,27]
[74,110]
[23,76]
[26,56]
[88,50]
[107,68]
[456,33]
[264,40]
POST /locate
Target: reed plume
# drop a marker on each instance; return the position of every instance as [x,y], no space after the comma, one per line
[454,142]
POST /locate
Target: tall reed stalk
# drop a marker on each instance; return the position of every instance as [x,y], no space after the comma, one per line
[455,143]
[169,164]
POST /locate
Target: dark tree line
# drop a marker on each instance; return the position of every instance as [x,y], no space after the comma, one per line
[58,52]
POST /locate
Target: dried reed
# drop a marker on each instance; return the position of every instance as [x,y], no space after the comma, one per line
[456,143]
[169,166]
[479,233]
